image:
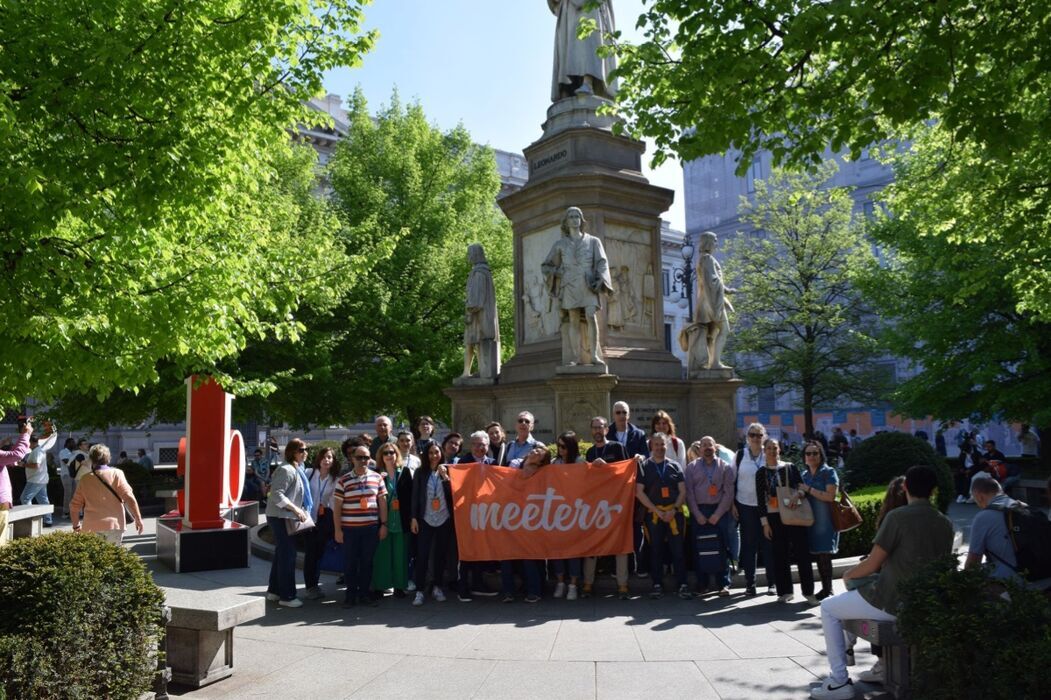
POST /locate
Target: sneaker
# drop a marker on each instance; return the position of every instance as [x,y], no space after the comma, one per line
[851,659]
[560,590]
[812,600]
[684,592]
[786,598]
[830,690]
[294,603]
[970,499]
[571,592]
[411,587]
[438,595]
[724,592]
[464,597]
[823,593]
[314,593]
[642,574]
[750,591]
[960,499]
[483,592]
[585,592]
[508,598]
[770,590]
[418,600]
[656,592]
[531,598]
[273,597]
[622,593]
[876,674]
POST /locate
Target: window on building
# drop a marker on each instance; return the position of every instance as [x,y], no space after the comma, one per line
[667,337]
[767,399]
[168,455]
[755,172]
[666,279]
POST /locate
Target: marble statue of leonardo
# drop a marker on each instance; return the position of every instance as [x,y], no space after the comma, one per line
[578,68]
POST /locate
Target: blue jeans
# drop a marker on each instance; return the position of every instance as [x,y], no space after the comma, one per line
[359,549]
[754,544]
[574,567]
[726,526]
[660,532]
[530,571]
[283,567]
[39,492]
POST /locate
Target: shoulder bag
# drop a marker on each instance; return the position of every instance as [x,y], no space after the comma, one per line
[801,516]
[127,515]
[845,515]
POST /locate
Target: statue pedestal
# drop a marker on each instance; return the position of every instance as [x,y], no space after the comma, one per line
[474,381]
[582,369]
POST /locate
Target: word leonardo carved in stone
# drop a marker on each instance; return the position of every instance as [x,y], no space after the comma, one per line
[548,160]
[544,515]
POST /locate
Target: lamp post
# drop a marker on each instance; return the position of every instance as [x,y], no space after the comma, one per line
[685,275]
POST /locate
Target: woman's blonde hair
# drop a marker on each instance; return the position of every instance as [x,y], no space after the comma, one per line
[99,455]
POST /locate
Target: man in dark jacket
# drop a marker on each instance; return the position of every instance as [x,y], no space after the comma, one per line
[622,431]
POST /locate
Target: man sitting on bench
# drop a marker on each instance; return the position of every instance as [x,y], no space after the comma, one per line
[908,538]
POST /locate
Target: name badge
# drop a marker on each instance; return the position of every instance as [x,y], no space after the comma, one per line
[363,502]
[320,511]
[713,490]
[395,505]
[772,503]
[665,492]
[436,504]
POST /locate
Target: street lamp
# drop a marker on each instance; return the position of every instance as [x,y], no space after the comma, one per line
[685,275]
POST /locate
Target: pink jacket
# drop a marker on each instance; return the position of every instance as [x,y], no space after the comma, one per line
[101,510]
[7,457]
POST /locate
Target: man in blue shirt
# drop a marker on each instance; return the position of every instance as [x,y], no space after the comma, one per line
[661,490]
[524,440]
[989,530]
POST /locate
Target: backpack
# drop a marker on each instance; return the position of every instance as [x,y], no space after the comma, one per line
[1030,535]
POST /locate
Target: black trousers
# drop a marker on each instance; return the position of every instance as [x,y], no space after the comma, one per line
[790,546]
[439,541]
[314,541]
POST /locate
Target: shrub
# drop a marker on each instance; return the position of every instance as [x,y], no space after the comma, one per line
[82,618]
[971,642]
[882,457]
[854,543]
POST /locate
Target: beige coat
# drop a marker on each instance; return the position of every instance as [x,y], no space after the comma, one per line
[101,510]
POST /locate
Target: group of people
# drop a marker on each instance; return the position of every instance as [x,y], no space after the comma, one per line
[391,512]
[96,496]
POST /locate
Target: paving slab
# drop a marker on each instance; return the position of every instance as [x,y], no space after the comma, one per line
[601,639]
[428,677]
[652,679]
[749,679]
[526,680]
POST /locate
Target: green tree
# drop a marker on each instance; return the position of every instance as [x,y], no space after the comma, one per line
[795,76]
[801,323]
[143,224]
[952,303]
[411,197]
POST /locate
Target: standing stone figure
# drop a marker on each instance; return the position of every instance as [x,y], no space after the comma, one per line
[481,335]
[577,272]
[711,321]
[578,68]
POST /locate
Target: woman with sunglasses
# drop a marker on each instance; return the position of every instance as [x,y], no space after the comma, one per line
[289,498]
[821,484]
[749,463]
[390,566]
[790,543]
[568,449]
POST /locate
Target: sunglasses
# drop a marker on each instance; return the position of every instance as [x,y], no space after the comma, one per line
[388,453]
[301,450]
[525,421]
[758,435]
[620,413]
[359,458]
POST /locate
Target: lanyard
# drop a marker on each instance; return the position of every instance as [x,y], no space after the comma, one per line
[660,469]
[710,475]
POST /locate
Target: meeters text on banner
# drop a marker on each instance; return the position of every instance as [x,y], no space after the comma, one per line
[563,510]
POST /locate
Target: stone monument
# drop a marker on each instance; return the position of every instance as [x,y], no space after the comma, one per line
[704,339]
[481,335]
[579,165]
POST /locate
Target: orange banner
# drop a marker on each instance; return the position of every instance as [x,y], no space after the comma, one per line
[563,511]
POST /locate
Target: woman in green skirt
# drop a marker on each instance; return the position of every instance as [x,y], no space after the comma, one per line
[390,567]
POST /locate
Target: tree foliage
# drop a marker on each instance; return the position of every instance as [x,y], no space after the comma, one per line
[801,323]
[147,222]
[956,305]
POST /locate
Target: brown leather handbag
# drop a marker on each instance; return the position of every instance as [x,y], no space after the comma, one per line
[845,515]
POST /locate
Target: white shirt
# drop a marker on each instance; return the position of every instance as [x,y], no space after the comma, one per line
[36,474]
[746,478]
[678,450]
[1029,442]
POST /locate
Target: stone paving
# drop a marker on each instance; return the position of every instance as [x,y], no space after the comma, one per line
[597,648]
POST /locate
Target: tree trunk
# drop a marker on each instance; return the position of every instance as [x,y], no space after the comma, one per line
[808,409]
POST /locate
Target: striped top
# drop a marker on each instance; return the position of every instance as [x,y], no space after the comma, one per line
[358,495]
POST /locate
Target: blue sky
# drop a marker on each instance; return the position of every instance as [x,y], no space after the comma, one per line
[467,61]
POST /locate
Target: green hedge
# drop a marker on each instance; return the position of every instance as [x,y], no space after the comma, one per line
[854,543]
[972,642]
[81,619]
[882,457]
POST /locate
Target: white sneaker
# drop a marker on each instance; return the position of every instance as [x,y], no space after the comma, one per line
[294,603]
[829,690]
[786,598]
[876,674]
[438,595]
[411,587]
[314,593]
[273,597]
[571,594]
[970,499]
[960,499]
[560,590]
[812,600]
[418,600]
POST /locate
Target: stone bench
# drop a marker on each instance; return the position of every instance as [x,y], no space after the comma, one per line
[896,655]
[27,521]
[1029,490]
[200,635]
